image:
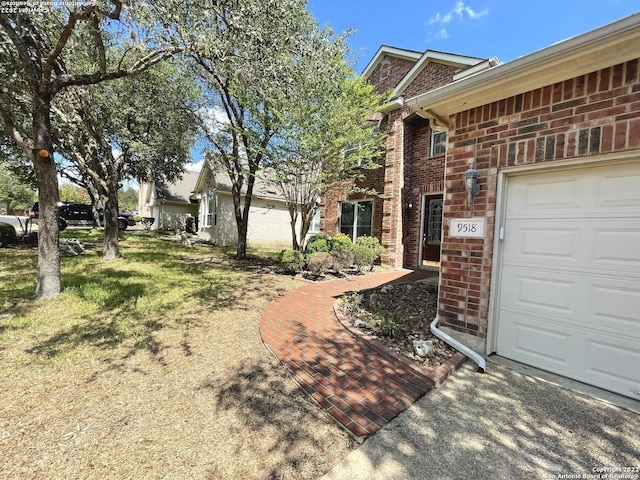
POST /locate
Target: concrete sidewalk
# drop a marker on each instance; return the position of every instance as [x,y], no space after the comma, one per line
[500,425]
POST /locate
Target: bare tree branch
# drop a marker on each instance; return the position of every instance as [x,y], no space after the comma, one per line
[21,140]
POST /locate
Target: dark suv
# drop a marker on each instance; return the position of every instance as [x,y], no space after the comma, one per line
[80,214]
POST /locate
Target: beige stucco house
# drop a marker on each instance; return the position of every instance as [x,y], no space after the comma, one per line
[269,220]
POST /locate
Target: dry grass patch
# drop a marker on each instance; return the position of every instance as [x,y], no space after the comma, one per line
[151,367]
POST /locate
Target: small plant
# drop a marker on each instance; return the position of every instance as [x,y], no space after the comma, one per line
[340,241]
[366,251]
[8,235]
[362,256]
[385,323]
[342,258]
[291,261]
[317,243]
[351,305]
[319,263]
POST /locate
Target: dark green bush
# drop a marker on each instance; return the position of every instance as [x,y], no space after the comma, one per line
[319,262]
[291,261]
[317,243]
[340,241]
[363,256]
[366,251]
[7,235]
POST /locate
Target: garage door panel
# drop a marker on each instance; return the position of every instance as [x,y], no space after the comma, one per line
[616,305]
[569,286]
[538,292]
[540,243]
[617,247]
[542,342]
[617,190]
[539,196]
[612,363]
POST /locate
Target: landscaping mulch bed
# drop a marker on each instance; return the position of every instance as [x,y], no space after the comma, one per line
[414,303]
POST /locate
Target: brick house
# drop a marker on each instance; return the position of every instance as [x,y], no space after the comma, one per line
[550,277]
[407,219]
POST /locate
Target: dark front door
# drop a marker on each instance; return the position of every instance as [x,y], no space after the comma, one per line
[432,228]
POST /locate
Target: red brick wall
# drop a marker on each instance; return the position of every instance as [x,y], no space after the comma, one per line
[592,114]
[423,174]
[389,72]
[432,75]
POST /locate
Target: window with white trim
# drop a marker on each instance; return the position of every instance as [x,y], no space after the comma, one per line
[315,223]
[438,142]
[209,209]
[356,218]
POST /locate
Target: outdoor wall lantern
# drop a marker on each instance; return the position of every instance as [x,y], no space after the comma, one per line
[471,185]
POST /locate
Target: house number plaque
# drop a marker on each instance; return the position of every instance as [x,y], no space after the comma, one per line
[474,227]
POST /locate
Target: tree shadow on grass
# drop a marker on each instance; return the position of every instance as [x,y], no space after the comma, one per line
[103,333]
[277,415]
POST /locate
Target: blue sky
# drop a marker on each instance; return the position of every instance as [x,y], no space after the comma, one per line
[506,29]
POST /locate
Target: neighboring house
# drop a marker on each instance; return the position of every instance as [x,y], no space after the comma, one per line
[547,272]
[269,220]
[169,204]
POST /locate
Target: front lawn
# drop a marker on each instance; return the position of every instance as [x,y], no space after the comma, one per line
[151,366]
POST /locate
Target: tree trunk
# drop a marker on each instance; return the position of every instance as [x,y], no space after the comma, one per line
[48,223]
[293,215]
[111,244]
[241,221]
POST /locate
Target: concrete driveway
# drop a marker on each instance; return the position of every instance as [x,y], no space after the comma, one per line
[501,425]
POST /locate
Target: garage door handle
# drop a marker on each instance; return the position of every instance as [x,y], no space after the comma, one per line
[501,233]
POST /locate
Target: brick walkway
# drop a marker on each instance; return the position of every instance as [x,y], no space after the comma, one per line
[358,385]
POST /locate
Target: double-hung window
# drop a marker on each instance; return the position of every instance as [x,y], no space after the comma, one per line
[438,142]
[356,218]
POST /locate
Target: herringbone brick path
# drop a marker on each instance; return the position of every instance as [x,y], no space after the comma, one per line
[360,387]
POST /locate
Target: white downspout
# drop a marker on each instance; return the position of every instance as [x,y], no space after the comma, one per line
[476,357]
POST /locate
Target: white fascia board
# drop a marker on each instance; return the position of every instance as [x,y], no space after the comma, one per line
[606,46]
[467,72]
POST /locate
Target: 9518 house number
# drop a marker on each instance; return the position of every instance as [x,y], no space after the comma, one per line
[474,227]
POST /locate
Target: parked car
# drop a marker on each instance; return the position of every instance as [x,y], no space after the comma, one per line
[80,214]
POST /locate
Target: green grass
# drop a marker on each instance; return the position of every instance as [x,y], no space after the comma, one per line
[156,286]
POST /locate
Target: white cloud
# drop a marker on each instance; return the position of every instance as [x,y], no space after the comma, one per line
[213,118]
[194,166]
[459,11]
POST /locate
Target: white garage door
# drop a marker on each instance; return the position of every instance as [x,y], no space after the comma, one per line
[570,283]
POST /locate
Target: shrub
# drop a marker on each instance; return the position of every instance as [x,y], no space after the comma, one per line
[7,234]
[372,243]
[319,262]
[317,243]
[291,261]
[373,251]
[342,258]
[340,241]
[351,305]
[363,256]
[385,323]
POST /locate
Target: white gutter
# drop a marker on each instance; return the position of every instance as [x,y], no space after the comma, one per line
[476,357]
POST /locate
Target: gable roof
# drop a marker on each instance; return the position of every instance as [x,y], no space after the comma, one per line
[467,65]
[612,44]
[261,188]
[391,51]
[178,191]
[460,61]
